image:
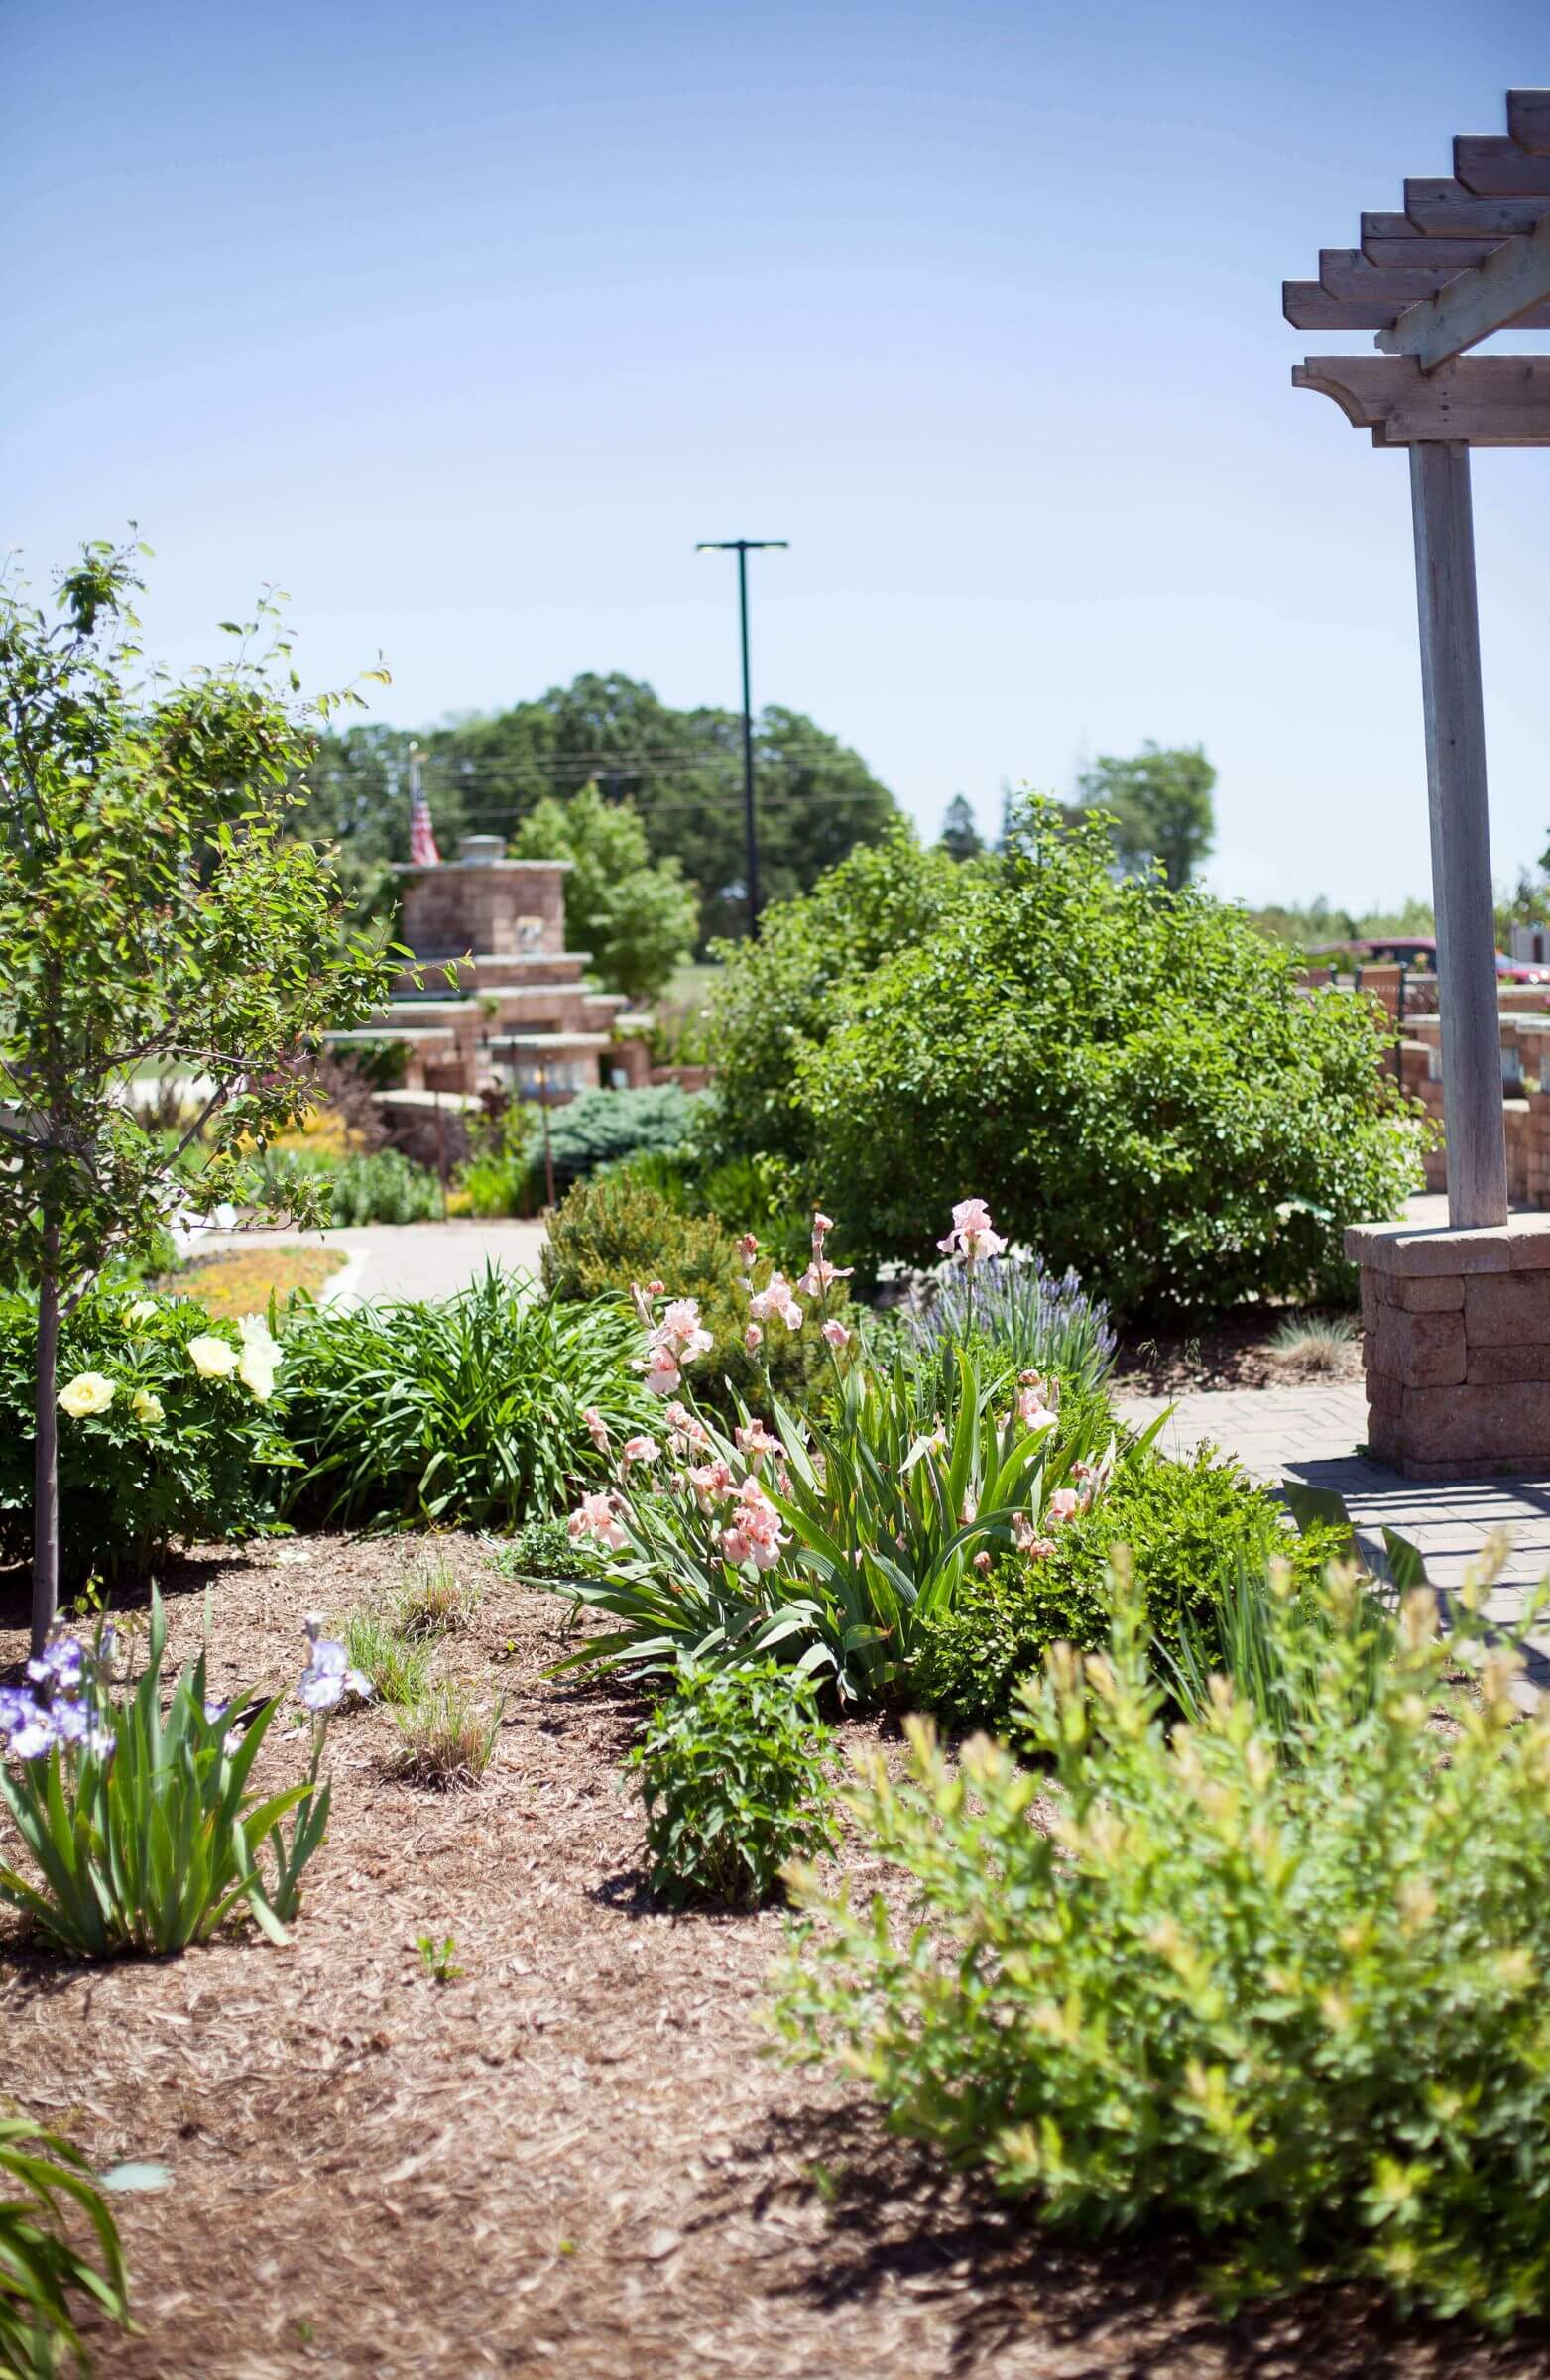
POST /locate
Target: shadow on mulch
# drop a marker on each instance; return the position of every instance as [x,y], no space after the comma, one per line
[897,2219]
[1236,1350]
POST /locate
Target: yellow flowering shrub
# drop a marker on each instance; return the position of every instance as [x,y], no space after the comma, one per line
[1290,1992]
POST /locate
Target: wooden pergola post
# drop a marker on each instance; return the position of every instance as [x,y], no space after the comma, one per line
[1457,1320]
[1461,833]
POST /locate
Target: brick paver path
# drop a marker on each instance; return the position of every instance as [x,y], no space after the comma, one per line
[1311,1433]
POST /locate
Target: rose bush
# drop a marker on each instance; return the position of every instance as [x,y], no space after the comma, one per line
[170,1426]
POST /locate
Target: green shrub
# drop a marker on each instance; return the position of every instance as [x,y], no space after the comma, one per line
[174,1453]
[544,1549]
[140,1822]
[471,1410]
[601,1125]
[610,1234]
[1296,2002]
[732,1772]
[496,1186]
[44,2180]
[383,1187]
[1127,1074]
[1192,1529]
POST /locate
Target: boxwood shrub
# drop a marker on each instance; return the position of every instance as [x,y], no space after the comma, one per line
[1190,1527]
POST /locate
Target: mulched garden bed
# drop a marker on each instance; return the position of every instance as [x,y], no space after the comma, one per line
[1235,1352]
[573,2158]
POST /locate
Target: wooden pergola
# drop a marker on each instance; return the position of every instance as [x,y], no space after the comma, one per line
[1469,256]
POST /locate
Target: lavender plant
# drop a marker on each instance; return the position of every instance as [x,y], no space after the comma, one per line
[141,1825]
[1040,1320]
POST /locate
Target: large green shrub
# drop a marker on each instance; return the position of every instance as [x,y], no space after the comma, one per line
[1295,1999]
[610,1234]
[1127,1074]
[732,1771]
[176,1451]
[382,1187]
[472,1410]
[1191,1530]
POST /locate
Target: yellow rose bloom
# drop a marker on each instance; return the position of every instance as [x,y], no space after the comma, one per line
[256,1371]
[146,1406]
[87,1392]
[213,1358]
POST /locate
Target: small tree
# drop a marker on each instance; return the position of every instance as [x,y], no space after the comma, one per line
[154,915]
[1161,806]
[637,921]
[960,837]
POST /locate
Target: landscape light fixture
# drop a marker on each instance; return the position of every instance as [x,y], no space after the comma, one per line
[743,548]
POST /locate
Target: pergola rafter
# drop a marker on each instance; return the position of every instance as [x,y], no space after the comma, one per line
[1469,256]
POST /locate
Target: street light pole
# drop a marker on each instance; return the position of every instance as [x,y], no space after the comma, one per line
[743,548]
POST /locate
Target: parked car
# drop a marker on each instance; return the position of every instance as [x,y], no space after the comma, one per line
[1521,971]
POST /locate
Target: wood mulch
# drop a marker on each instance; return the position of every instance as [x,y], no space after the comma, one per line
[572,2158]
[1238,1351]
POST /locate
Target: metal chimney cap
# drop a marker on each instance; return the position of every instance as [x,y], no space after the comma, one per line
[481,851]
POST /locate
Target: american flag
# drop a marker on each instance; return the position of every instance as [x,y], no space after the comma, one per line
[422,852]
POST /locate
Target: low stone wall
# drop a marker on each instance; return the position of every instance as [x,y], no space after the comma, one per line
[1456,1346]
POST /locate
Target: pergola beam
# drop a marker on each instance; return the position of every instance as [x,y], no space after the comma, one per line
[1394,240]
[1528,120]
[1512,286]
[1480,400]
[1500,169]
[1445,210]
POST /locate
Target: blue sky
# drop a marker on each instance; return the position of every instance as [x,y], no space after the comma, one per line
[464,322]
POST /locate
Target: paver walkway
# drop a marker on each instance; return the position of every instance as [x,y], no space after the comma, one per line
[1311,1433]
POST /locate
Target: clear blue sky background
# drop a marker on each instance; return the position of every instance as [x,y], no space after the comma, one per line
[465,322]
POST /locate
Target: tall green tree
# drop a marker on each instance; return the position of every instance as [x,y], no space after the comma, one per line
[155,915]
[636,918]
[682,771]
[960,837]
[1160,805]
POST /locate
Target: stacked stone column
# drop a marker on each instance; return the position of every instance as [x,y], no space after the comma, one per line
[1457,1340]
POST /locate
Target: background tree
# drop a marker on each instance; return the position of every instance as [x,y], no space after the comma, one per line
[155,915]
[638,919]
[960,837]
[1162,807]
[682,771]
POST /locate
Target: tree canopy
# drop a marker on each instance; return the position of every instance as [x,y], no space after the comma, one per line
[1160,805]
[682,771]
[960,837]
[638,920]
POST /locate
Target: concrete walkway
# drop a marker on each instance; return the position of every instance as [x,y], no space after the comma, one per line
[1311,1434]
[388,1261]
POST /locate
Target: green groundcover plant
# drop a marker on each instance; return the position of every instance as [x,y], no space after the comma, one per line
[140,1822]
[1293,1995]
[732,1769]
[472,1410]
[1128,1073]
[1192,1530]
[42,2180]
[169,1427]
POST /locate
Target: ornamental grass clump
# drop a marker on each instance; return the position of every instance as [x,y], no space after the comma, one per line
[1291,1994]
[143,1827]
[732,1771]
[832,1544]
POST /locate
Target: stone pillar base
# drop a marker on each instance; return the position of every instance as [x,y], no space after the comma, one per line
[1457,1341]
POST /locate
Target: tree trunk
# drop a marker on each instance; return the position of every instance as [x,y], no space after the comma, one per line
[46,1476]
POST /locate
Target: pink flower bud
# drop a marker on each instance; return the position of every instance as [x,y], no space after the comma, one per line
[753,1337]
